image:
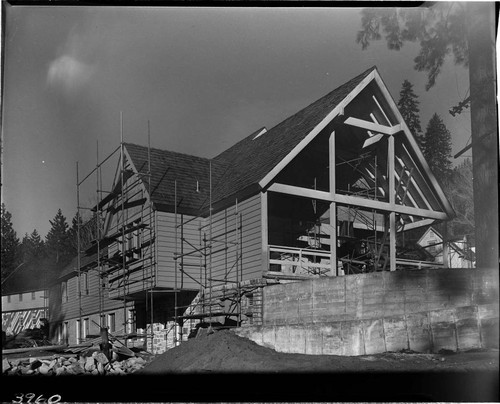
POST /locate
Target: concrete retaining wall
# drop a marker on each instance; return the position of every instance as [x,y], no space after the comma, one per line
[425,311]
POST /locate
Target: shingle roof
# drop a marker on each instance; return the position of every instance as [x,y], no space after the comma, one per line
[250,160]
[237,168]
[192,174]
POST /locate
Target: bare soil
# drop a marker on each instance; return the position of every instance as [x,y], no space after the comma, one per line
[225,352]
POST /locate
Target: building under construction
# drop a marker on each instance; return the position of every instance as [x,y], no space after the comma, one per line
[180,242]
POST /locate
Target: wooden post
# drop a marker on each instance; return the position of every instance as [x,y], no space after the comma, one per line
[333,209]
[392,241]
[105,345]
[392,202]
[264,231]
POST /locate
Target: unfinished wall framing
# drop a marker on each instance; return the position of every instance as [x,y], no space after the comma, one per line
[116,245]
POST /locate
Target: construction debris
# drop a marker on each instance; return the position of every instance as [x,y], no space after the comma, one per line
[95,357]
[95,364]
[32,337]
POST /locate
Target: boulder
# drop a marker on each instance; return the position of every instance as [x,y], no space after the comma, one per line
[44,369]
[5,365]
[101,358]
[60,371]
[35,364]
[89,364]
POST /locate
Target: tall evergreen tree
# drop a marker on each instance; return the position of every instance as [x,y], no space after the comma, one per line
[32,247]
[408,106]
[58,245]
[37,243]
[73,233]
[10,244]
[25,248]
[437,149]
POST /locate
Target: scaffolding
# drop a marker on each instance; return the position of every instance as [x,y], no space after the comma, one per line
[116,251]
[218,297]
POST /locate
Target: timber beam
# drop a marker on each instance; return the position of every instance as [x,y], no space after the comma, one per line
[355,201]
[372,126]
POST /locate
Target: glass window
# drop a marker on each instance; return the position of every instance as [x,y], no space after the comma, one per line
[86,327]
[64,291]
[112,322]
[78,331]
[33,296]
[85,283]
[20,297]
[65,332]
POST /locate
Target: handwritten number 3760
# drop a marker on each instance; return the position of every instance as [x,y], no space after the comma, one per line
[39,400]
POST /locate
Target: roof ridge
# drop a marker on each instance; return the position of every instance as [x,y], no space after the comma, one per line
[167,151]
[365,73]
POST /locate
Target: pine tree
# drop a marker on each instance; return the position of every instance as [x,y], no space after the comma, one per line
[10,244]
[73,233]
[25,248]
[408,106]
[437,149]
[57,242]
[37,245]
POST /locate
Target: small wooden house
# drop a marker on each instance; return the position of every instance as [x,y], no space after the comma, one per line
[327,192]
[460,254]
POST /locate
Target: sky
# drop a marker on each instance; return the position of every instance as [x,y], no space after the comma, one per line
[204,78]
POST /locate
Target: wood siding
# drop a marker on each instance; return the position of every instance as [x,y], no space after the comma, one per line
[90,302]
[236,246]
[169,242]
[126,215]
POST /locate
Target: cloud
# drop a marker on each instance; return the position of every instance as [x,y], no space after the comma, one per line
[68,74]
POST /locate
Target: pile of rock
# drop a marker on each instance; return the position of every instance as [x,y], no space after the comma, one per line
[95,364]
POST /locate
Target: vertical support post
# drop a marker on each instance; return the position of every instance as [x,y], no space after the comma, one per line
[333,208]
[78,262]
[210,243]
[175,263]
[153,269]
[105,342]
[98,237]
[392,201]
[122,185]
[392,241]
[264,222]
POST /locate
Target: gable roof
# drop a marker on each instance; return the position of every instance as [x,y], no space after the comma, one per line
[191,173]
[250,160]
[453,244]
[248,166]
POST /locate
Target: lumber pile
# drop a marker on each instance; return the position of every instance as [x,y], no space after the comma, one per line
[73,364]
[32,337]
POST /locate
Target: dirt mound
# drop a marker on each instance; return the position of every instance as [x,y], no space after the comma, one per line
[220,351]
[224,351]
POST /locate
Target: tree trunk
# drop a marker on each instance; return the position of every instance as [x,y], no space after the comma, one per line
[481,24]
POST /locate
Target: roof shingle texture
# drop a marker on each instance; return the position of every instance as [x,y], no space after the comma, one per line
[241,166]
